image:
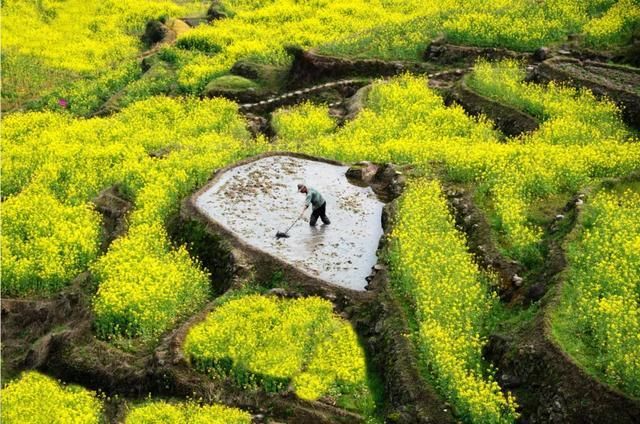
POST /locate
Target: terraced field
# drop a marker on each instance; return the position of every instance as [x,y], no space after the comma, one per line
[488,154]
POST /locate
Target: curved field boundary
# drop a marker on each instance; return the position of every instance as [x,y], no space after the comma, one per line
[613,81]
[511,121]
[298,96]
[60,343]
[309,66]
[549,385]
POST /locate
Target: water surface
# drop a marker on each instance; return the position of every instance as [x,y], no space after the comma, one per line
[256,200]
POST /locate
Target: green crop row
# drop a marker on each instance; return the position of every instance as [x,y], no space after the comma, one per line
[598,318]
[433,272]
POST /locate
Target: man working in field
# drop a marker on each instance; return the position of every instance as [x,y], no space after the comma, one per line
[318,203]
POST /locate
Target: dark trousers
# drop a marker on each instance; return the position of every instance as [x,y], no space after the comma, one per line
[319,213]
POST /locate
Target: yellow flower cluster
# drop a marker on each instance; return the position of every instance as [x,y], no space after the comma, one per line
[434,273]
[277,342]
[569,116]
[146,285]
[302,124]
[616,26]
[600,303]
[54,165]
[48,43]
[404,121]
[103,35]
[161,412]
[45,243]
[38,399]
[515,24]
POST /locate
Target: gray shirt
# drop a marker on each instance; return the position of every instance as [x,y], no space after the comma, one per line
[314,198]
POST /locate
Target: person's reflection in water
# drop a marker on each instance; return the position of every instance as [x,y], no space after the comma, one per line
[314,237]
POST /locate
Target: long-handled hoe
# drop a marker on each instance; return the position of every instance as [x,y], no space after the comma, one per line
[280,234]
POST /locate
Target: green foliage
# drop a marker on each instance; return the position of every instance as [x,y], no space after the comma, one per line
[37,399]
[85,96]
[159,79]
[231,83]
[600,299]
[271,342]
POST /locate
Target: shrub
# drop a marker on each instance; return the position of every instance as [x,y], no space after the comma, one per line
[37,399]
[160,412]
[274,342]
[45,243]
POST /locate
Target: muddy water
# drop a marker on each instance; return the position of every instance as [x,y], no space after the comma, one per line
[258,199]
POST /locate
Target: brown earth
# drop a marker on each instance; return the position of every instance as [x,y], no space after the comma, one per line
[510,121]
[619,83]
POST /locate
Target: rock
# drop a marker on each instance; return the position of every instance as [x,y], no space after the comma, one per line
[160,153]
[541,54]
[278,292]
[379,267]
[216,11]
[154,32]
[355,103]
[579,202]
[389,211]
[355,172]
[536,292]
[245,69]
[517,280]
[110,202]
[257,124]
[369,173]
[508,381]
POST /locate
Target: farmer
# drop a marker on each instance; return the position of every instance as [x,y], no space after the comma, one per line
[315,199]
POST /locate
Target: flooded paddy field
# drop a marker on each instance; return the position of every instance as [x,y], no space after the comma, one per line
[256,200]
